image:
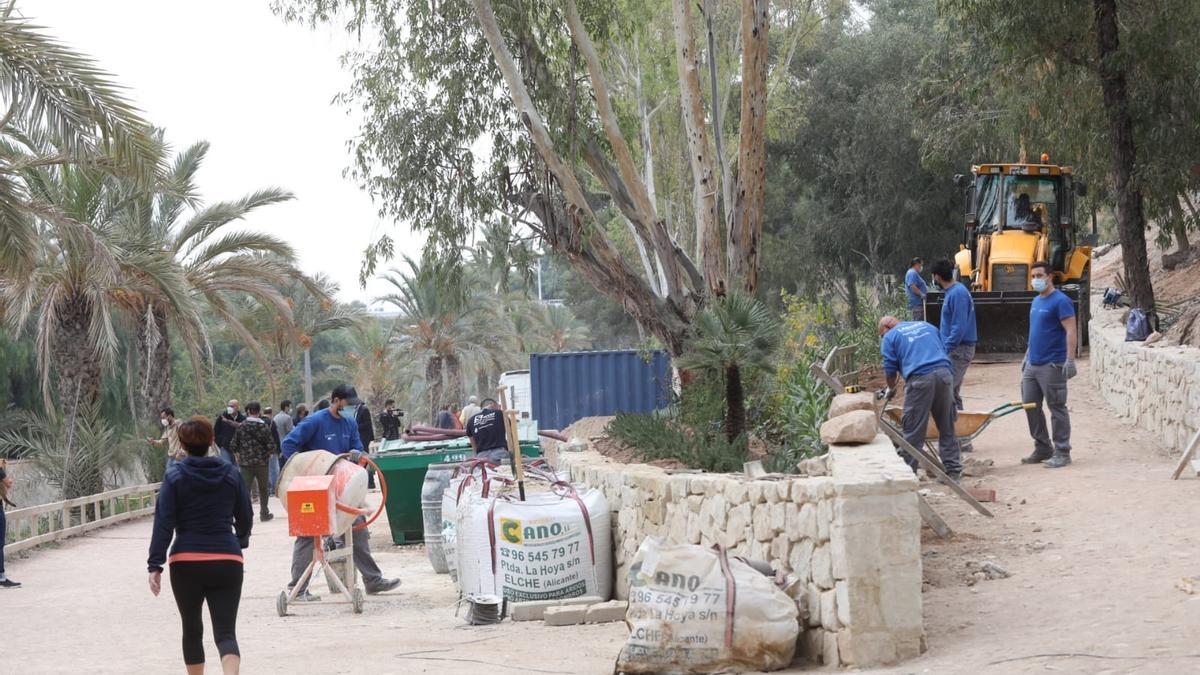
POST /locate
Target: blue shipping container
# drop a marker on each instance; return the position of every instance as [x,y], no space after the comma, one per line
[569,386]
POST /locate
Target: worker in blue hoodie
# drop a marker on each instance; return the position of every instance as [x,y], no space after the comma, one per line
[957,327]
[329,430]
[913,350]
[204,506]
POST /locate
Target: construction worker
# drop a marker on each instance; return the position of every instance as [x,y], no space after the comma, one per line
[916,288]
[913,350]
[330,430]
[957,327]
[1049,363]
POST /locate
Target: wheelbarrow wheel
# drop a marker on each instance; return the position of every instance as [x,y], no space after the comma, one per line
[357,600]
[281,603]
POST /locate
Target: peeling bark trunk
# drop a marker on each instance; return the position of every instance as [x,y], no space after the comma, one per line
[718,116]
[704,182]
[433,383]
[745,223]
[735,403]
[154,352]
[1131,220]
[454,381]
[851,294]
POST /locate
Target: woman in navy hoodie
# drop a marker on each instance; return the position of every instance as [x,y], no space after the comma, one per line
[204,504]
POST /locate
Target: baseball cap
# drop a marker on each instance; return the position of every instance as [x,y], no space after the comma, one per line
[346,393]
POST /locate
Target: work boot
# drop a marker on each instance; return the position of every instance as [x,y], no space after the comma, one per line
[266,516]
[382,586]
[1058,461]
[1036,457]
[9,583]
[955,476]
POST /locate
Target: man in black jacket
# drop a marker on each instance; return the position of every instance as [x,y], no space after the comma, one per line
[389,419]
[224,427]
[253,445]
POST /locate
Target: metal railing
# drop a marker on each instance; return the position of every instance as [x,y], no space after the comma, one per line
[36,525]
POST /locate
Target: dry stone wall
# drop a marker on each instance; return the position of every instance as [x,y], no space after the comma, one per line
[852,537]
[1156,386]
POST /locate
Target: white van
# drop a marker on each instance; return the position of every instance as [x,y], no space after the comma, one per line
[517,392]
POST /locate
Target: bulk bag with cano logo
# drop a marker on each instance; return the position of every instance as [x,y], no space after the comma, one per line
[696,610]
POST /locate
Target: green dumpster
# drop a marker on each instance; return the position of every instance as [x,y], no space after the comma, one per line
[403,465]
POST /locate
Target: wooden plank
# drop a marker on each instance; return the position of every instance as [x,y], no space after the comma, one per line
[932,468]
[831,381]
[933,520]
[1187,455]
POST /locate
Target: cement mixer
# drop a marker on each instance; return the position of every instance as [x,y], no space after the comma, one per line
[324,494]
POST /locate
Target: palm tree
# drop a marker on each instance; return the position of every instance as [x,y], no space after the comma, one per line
[375,363]
[219,265]
[56,93]
[564,332]
[734,338]
[443,321]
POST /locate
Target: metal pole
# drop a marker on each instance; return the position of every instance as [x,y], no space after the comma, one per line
[308,395]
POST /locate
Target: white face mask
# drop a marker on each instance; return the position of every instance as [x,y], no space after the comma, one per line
[229,410]
[1039,285]
[165,422]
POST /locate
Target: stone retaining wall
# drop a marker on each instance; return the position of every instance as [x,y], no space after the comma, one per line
[1157,387]
[853,537]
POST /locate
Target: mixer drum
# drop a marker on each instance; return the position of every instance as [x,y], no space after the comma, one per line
[349,480]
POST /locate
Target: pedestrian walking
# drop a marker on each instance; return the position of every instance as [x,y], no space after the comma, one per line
[957,326]
[301,413]
[331,431]
[283,426]
[7,482]
[203,513]
[445,420]
[224,426]
[913,350]
[253,445]
[169,441]
[1049,363]
[915,286]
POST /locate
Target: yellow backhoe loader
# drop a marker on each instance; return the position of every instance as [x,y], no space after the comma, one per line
[1016,215]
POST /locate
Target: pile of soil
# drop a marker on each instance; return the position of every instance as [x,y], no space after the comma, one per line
[592,430]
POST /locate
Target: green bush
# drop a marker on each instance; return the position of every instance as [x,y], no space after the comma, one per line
[654,437]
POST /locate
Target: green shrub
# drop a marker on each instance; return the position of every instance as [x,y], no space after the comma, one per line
[655,437]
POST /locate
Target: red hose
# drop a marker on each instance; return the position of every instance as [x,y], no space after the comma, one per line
[420,438]
[436,431]
[553,433]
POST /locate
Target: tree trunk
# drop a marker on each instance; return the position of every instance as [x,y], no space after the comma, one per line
[718,113]
[1131,221]
[433,383]
[851,294]
[746,216]
[482,384]
[154,352]
[454,381]
[735,403]
[76,368]
[1180,222]
[704,182]
[308,392]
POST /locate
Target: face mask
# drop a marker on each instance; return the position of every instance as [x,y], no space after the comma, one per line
[1039,285]
[165,422]
[229,410]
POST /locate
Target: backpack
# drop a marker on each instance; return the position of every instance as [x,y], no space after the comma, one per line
[1112,296]
[1137,326]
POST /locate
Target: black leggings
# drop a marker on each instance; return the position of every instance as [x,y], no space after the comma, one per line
[220,583]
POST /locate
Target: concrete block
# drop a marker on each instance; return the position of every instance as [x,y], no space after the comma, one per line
[606,612]
[565,616]
[534,610]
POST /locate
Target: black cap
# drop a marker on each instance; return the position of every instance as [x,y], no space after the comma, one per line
[346,393]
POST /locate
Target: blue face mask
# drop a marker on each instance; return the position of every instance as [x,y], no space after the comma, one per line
[1039,285]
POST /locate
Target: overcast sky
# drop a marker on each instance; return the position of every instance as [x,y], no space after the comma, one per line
[231,73]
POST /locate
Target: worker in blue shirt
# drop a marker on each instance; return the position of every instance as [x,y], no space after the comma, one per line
[915,286]
[957,327]
[1049,363]
[913,350]
[329,430]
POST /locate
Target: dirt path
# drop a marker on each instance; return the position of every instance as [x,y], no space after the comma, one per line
[1095,551]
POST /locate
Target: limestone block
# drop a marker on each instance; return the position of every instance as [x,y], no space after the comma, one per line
[771,491]
[762,523]
[606,612]
[735,491]
[699,485]
[760,550]
[565,616]
[739,518]
[791,520]
[781,550]
[535,610]
[822,571]
[654,510]
[678,487]
[754,491]
[814,606]
[829,655]
[630,495]
[693,528]
[858,426]
[843,603]
[728,538]
[824,518]
[813,645]
[829,614]
[801,559]
[777,516]
[808,521]
[720,511]
[694,503]
[844,403]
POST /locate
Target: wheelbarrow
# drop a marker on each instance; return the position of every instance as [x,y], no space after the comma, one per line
[967,427]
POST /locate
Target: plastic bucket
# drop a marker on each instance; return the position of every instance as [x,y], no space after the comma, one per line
[437,478]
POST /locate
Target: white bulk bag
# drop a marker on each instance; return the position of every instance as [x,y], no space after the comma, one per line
[551,546]
[696,610]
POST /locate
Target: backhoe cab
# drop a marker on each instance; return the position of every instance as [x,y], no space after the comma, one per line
[1016,215]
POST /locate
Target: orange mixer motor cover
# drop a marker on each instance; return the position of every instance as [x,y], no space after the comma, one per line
[311,506]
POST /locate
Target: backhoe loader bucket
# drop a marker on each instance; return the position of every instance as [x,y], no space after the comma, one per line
[1001,317]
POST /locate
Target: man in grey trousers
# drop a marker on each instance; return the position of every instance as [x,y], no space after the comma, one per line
[957,327]
[913,349]
[1049,363]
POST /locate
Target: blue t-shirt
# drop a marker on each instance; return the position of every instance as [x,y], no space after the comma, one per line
[913,348]
[1047,337]
[911,278]
[958,317]
[322,431]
